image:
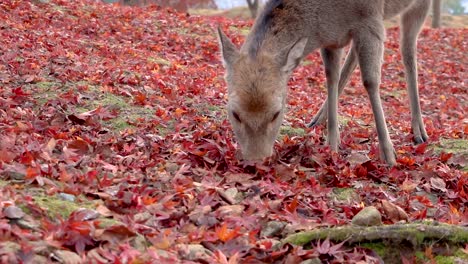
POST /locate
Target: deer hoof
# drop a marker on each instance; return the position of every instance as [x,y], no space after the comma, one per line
[389,157]
[420,139]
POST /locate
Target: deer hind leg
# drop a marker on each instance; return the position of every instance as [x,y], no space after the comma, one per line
[348,68]
[369,48]
[331,60]
[411,23]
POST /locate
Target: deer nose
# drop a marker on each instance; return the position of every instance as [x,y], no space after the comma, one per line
[256,155]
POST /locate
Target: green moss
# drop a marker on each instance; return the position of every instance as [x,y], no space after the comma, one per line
[3,183]
[57,207]
[444,260]
[109,99]
[164,130]
[461,254]
[108,222]
[119,124]
[395,93]
[306,62]
[420,256]
[45,85]
[380,248]
[458,146]
[128,113]
[345,194]
[292,131]
[209,110]
[419,236]
[44,91]
[343,120]
[187,32]
[214,108]
[159,61]
[242,31]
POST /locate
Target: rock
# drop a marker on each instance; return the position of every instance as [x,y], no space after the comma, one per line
[163,253]
[27,224]
[15,176]
[232,192]
[66,197]
[142,217]
[194,252]
[67,257]
[230,210]
[171,167]
[38,259]
[8,247]
[13,212]
[368,216]
[272,228]
[312,261]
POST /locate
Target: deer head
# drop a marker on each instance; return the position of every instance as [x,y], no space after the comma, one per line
[257,89]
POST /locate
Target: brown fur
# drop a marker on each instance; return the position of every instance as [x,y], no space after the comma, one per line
[256,87]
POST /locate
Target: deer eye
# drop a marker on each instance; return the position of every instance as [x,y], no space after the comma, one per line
[236,116]
[275,116]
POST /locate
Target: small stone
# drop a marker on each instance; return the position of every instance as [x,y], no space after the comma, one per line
[230,210]
[8,247]
[368,216]
[312,261]
[38,259]
[13,212]
[27,224]
[15,176]
[66,197]
[65,256]
[139,243]
[194,252]
[232,192]
[272,228]
[163,253]
[142,217]
[172,167]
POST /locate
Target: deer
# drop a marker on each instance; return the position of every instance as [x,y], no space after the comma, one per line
[286,31]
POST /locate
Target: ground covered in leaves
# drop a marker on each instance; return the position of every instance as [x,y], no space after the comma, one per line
[115,148]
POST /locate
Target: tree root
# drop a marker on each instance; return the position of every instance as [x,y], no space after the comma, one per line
[414,233]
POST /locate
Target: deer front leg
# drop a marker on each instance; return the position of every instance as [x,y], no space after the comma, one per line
[369,47]
[331,60]
[348,68]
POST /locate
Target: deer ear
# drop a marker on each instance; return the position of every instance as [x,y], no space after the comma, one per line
[294,55]
[229,51]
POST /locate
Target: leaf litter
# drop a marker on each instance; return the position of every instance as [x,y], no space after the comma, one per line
[123,109]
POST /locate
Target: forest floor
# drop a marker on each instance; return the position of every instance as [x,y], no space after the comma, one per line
[115,147]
